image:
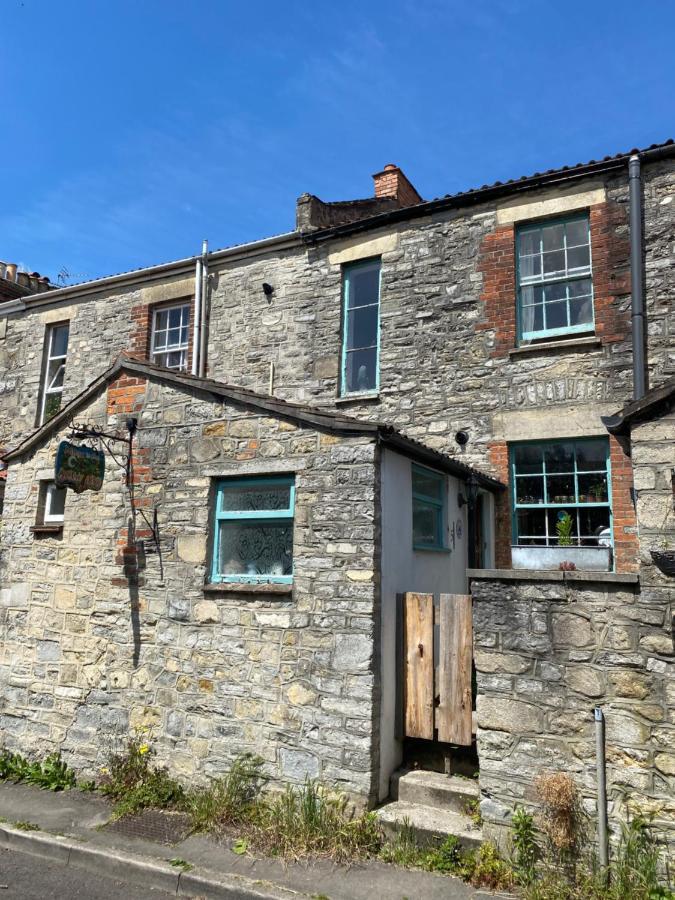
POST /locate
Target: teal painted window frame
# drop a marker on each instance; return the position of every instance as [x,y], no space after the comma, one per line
[263,515]
[440,507]
[541,280]
[515,506]
[347,271]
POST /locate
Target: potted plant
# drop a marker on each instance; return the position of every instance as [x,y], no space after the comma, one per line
[563,528]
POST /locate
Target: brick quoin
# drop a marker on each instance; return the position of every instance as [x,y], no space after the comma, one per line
[610,253]
[498,455]
[125,397]
[626,543]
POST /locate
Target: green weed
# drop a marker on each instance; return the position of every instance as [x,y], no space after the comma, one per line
[227,800]
[525,849]
[134,782]
[52,774]
[26,826]
[181,864]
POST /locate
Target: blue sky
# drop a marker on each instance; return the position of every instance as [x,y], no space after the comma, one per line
[132,129]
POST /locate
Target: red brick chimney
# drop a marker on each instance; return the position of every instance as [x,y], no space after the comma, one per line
[391,182]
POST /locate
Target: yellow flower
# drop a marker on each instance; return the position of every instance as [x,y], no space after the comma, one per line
[143,748]
[103,770]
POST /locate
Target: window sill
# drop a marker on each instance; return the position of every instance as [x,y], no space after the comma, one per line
[573,344]
[551,575]
[431,549]
[46,529]
[356,398]
[242,587]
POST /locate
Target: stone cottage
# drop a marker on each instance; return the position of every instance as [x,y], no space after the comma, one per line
[500,329]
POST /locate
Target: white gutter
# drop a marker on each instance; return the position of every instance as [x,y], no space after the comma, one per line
[281,242]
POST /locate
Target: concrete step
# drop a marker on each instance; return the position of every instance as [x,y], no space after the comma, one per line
[447,792]
[431,825]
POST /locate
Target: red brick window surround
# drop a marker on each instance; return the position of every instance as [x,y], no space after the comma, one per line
[143,317]
[624,521]
[610,254]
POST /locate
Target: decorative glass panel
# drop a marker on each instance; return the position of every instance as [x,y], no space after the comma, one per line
[256,549]
[253,497]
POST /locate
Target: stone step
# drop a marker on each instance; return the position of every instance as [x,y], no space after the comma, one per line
[448,792]
[431,825]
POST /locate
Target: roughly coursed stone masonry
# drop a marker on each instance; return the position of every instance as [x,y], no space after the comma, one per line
[548,650]
[92,648]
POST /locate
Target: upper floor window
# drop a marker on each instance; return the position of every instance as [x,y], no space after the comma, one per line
[56,349]
[361,327]
[169,340]
[555,285]
[253,539]
[561,493]
[429,509]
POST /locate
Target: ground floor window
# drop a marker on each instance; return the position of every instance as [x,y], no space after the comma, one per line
[561,493]
[253,539]
[429,513]
[51,504]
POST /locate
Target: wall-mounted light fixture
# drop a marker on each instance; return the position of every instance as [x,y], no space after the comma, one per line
[471,486]
[268,290]
[462,438]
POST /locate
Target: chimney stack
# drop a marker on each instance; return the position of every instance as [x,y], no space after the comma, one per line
[391,182]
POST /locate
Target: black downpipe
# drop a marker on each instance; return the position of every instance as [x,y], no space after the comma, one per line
[636,280]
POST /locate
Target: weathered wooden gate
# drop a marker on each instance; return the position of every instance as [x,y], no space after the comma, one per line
[435,675]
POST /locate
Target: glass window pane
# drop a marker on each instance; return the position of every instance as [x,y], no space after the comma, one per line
[559,457]
[529,242]
[592,455]
[363,286]
[161,319]
[553,237]
[52,405]
[577,233]
[362,327]
[428,483]
[529,458]
[425,523]
[556,519]
[532,318]
[255,548]
[581,311]
[175,359]
[55,374]
[175,317]
[531,524]
[578,258]
[560,489]
[361,370]
[59,345]
[554,262]
[255,497]
[593,488]
[530,490]
[556,315]
[595,524]
[529,266]
[56,500]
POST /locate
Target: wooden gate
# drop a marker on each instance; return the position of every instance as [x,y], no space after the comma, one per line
[434,675]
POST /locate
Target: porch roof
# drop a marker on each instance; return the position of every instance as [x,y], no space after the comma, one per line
[321,418]
[656,402]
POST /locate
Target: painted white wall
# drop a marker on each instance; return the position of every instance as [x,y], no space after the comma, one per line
[405,569]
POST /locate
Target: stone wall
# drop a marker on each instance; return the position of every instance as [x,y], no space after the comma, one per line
[548,650]
[91,648]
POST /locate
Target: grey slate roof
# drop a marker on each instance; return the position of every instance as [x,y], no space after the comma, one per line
[316,417]
[657,401]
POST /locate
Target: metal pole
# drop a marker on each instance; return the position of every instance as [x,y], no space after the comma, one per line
[603,840]
[636,284]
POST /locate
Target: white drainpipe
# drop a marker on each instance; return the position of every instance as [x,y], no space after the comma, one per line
[204,309]
[196,336]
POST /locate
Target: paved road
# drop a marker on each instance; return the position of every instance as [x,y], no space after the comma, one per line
[24,877]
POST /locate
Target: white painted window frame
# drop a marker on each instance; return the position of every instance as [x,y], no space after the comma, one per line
[48,389]
[182,346]
[50,518]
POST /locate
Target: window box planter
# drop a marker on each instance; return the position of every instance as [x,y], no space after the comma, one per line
[664,560]
[586,559]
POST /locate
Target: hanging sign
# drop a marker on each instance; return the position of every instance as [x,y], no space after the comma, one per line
[79,468]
